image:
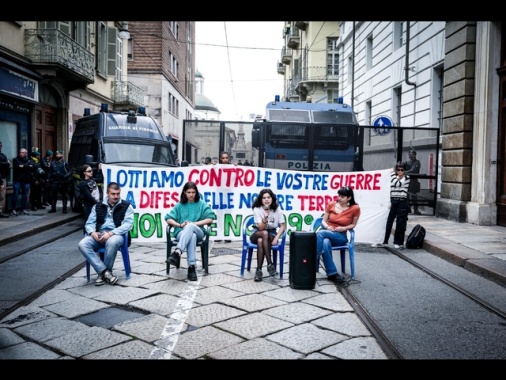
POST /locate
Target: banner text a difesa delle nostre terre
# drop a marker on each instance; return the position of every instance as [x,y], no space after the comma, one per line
[230,191]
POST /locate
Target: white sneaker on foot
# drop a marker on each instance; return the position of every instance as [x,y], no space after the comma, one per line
[397,246]
[377,245]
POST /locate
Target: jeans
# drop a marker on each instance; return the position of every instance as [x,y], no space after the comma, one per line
[187,240]
[89,247]
[25,188]
[325,239]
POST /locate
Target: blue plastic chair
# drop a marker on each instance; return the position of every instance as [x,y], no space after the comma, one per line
[124,253]
[317,224]
[248,247]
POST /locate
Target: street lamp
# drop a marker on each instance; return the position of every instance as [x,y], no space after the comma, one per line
[123,32]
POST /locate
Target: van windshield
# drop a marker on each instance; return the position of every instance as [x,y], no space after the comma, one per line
[122,152]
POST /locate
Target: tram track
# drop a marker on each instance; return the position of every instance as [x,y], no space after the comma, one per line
[397,308]
[14,253]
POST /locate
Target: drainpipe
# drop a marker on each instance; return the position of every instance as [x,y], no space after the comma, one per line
[406,68]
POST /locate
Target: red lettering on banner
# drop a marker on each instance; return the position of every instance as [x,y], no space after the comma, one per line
[357,181]
[315,202]
[158,199]
[222,177]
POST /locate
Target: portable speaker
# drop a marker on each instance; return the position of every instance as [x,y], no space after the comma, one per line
[302,260]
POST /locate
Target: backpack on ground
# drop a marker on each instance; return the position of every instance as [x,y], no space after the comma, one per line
[416,237]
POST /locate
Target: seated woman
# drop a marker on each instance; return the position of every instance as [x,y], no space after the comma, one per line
[339,217]
[188,217]
[270,223]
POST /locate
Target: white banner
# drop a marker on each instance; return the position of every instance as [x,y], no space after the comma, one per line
[230,191]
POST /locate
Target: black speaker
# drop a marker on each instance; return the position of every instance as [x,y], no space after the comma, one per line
[302,260]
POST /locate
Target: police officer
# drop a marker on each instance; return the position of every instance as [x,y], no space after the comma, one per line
[59,176]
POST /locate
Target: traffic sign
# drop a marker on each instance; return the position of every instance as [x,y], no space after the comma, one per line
[382,125]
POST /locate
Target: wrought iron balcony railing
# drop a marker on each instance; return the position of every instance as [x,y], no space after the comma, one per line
[50,46]
[126,93]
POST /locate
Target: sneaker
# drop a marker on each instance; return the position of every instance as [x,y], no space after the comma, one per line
[337,278]
[397,246]
[100,280]
[192,275]
[14,213]
[272,271]
[109,277]
[228,241]
[175,258]
[24,212]
[258,275]
[378,245]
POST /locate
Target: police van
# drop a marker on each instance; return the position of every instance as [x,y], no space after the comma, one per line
[123,138]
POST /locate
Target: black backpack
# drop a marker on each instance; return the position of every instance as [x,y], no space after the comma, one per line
[416,237]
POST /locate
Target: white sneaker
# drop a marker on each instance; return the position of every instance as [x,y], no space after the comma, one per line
[397,246]
[14,213]
[377,245]
[24,212]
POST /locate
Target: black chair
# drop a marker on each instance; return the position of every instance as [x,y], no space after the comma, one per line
[204,247]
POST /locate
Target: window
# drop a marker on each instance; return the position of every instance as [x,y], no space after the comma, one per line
[332,96]
[130,53]
[114,45]
[174,28]
[437,97]
[102,49]
[332,58]
[368,53]
[174,65]
[350,70]
[397,105]
[397,35]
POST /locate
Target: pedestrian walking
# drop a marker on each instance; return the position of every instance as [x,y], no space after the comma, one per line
[270,225]
[59,177]
[22,168]
[105,227]
[399,206]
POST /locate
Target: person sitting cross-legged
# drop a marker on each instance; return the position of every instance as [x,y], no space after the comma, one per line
[105,227]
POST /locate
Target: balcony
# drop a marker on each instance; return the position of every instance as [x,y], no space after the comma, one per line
[126,95]
[301,24]
[286,55]
[53,52]
[294,39]
[281,68]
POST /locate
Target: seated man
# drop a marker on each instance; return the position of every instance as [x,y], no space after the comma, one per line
[105,227]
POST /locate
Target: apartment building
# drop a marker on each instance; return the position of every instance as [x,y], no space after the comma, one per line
[161,62]
[309,61]
[425,74]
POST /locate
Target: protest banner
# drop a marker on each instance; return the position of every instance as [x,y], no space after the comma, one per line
[230,191]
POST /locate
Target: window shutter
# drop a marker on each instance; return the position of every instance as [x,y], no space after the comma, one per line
[111,51]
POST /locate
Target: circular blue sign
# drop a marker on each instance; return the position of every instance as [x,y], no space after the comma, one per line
[382,125]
